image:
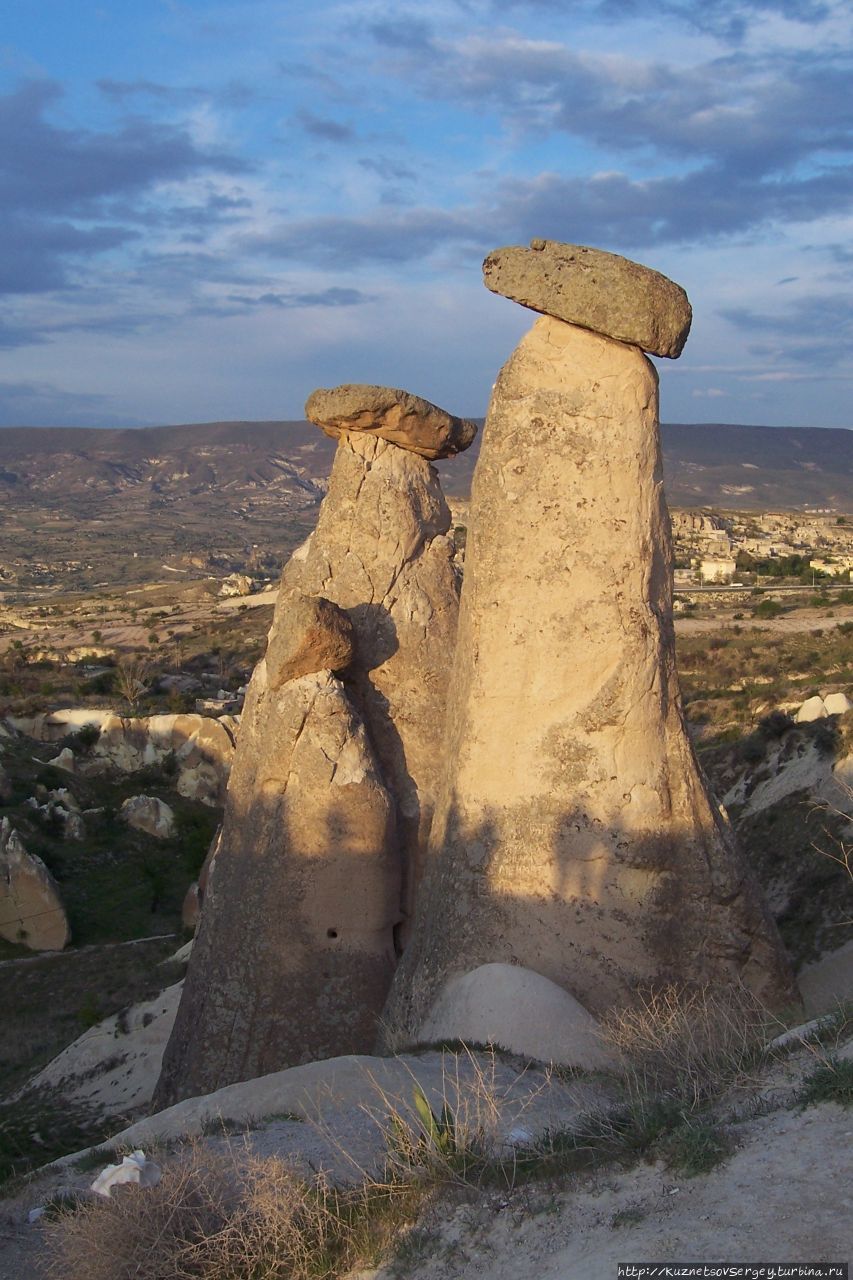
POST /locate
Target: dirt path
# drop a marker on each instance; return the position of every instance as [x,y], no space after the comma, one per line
[802,620]
[785,1196]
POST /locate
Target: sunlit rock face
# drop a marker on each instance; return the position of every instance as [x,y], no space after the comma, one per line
[574,833]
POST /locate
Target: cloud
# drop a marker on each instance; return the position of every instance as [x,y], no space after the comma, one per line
[404,32]
[42,403]
[326,129]
[57,185]
[611,210]
[729,20]
[816,330]
[331,297]
[761,113]
[15,335]
[233,94]
[387,169]
[338,241]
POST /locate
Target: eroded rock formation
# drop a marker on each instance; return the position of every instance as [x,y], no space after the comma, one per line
[574,833]
[331,791]
[31,910]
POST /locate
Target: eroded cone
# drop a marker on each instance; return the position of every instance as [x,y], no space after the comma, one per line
[574,833]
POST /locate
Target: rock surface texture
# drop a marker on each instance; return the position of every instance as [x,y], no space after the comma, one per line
[390,414]
[574,834]
[380,552]
[31,910]
[596,290]
[331,792]
[294,951]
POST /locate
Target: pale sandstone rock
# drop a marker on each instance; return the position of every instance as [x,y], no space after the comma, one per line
[596,290]
[513,1008]
[294,952]
[837,704]
[310,634]
[381,553]
[391,414]
[574,834]
[66,761]
[236,584]
[113,1067]
[31,910]
[812,709]
[150,814]
[191,907]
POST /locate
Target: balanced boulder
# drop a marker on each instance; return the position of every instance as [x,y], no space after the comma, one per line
[596,290]
[310,634]
[404,419]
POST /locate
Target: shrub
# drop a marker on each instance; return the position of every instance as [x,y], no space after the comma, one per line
[688,1045]
[215,1216]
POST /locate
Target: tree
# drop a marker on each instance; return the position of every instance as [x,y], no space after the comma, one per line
[133,674]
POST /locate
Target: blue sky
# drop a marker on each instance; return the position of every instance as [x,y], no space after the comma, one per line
[209,209]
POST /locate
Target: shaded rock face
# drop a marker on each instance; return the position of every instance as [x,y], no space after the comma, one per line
[331,791]
[31,910]
[380,553]
[596,290]
[574,834]
[294,951]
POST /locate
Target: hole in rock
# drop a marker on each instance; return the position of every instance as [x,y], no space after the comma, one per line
[331,933]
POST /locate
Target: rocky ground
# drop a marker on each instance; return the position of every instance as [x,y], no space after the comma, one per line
[773,1189]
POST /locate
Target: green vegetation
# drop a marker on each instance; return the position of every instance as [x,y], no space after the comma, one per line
[831,1081]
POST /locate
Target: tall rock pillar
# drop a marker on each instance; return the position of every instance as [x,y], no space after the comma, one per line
[574,833]
[331,792]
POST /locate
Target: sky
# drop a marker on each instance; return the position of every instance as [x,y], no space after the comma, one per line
[208,209]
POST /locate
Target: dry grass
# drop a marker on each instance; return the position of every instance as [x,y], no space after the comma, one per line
[227,1216]
[690,1045]
[233,1215]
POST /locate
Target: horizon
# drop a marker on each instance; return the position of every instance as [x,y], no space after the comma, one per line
[254,422]
[210,208]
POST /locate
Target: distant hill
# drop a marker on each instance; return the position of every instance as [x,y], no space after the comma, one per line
[235,468]
[724,465]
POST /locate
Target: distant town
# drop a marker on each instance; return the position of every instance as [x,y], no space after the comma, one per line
[712,548]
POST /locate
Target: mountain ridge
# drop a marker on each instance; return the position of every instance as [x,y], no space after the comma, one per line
[705,464]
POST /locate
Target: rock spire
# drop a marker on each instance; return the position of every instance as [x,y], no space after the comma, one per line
[574,833]
[332,788]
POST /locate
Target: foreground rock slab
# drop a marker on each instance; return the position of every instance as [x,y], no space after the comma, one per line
[573,833]
[596,290]
[404,419]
